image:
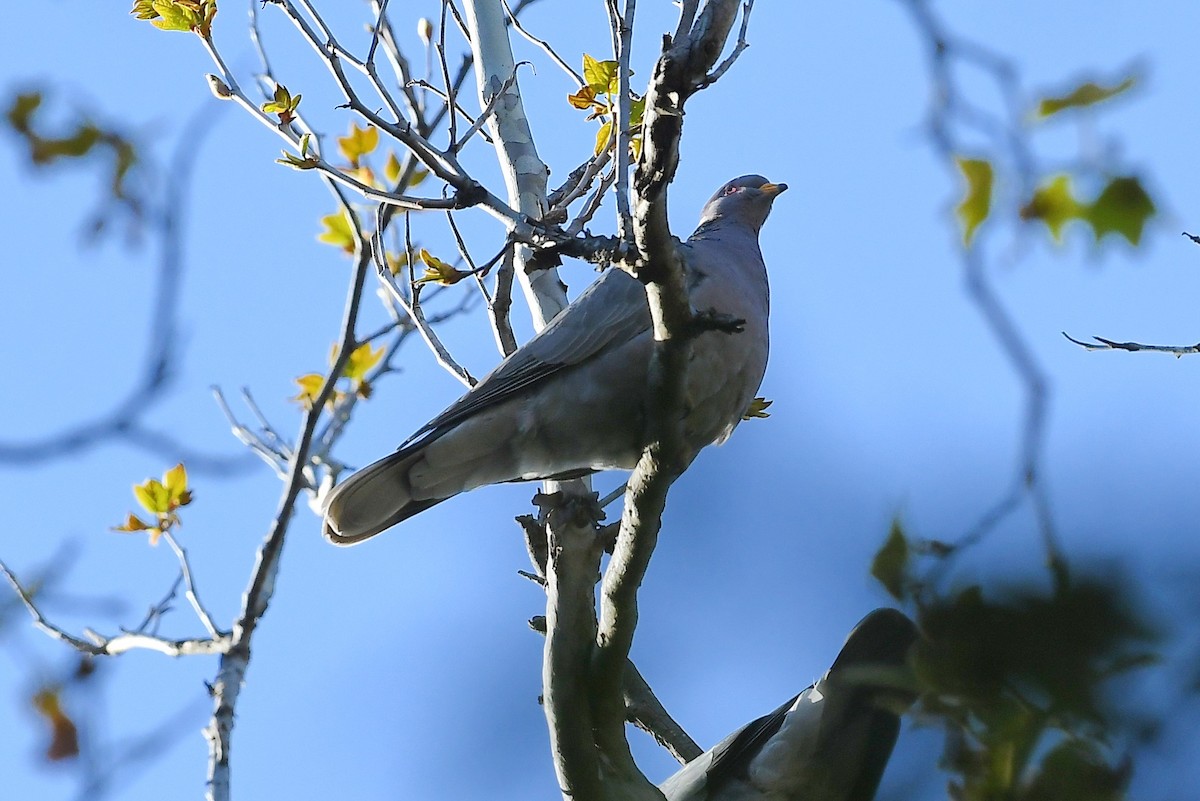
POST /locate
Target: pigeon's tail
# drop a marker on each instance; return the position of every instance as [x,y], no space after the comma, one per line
[374,499]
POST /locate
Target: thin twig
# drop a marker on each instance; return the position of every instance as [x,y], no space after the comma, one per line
[593,205]
[276,458]
[99,645]
[413,309]
[450,101]
[543,44]
[506,340]
[738,48]
[189,586]
[1109,344]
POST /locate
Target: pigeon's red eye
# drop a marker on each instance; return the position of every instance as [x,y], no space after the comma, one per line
[729,190]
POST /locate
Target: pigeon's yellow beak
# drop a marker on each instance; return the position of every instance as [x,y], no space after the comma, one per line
[773,190]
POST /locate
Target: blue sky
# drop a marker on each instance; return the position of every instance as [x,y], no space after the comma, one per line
[404,668]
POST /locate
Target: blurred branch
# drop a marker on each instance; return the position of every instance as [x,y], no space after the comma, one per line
[126,421]
[949,110]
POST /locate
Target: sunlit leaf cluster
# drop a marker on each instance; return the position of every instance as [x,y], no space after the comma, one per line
[178,15]
[361,360]
[1121,206]
[1022,677]
[80,140]
[598,96]
[283,103]
[162,499]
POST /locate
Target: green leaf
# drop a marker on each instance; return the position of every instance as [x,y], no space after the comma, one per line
[338,231]
[977,200]
[283,103]
[438,271]
[20,114]
[176,482]
[1122,208]
[391,167]
[602,137]
[1086,94]
[601,76]
[637,110]
[360,142]
[310,387]
[362,359]
[1055,205]
[890,565]
[153,496]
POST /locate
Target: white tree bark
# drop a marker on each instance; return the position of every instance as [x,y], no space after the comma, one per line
[525,174]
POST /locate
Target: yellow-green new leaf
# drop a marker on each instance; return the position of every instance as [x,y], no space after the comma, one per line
[977,200]
[391,167]
[601,76]
[602,137]
[144,10]
[396,261]
[153,496]
[338,231]
[890,565]
[296,162]
[438,271]
[359,142]
[1086,94]
[1054,204]
[1123,207]
[362,359]
[310,387]
[637,111]
[283,103]
[176,482]
[418,176]
[177,15]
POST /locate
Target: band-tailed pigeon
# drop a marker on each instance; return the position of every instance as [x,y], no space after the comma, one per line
[829,743]
[571,400]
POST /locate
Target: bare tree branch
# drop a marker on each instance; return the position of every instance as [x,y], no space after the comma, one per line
[948,110]
[413,308]
[1107,344]
[100,645]
[543,44]
[124,422]
[235,661]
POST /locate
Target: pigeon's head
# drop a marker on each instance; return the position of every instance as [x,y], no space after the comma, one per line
[746,200]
